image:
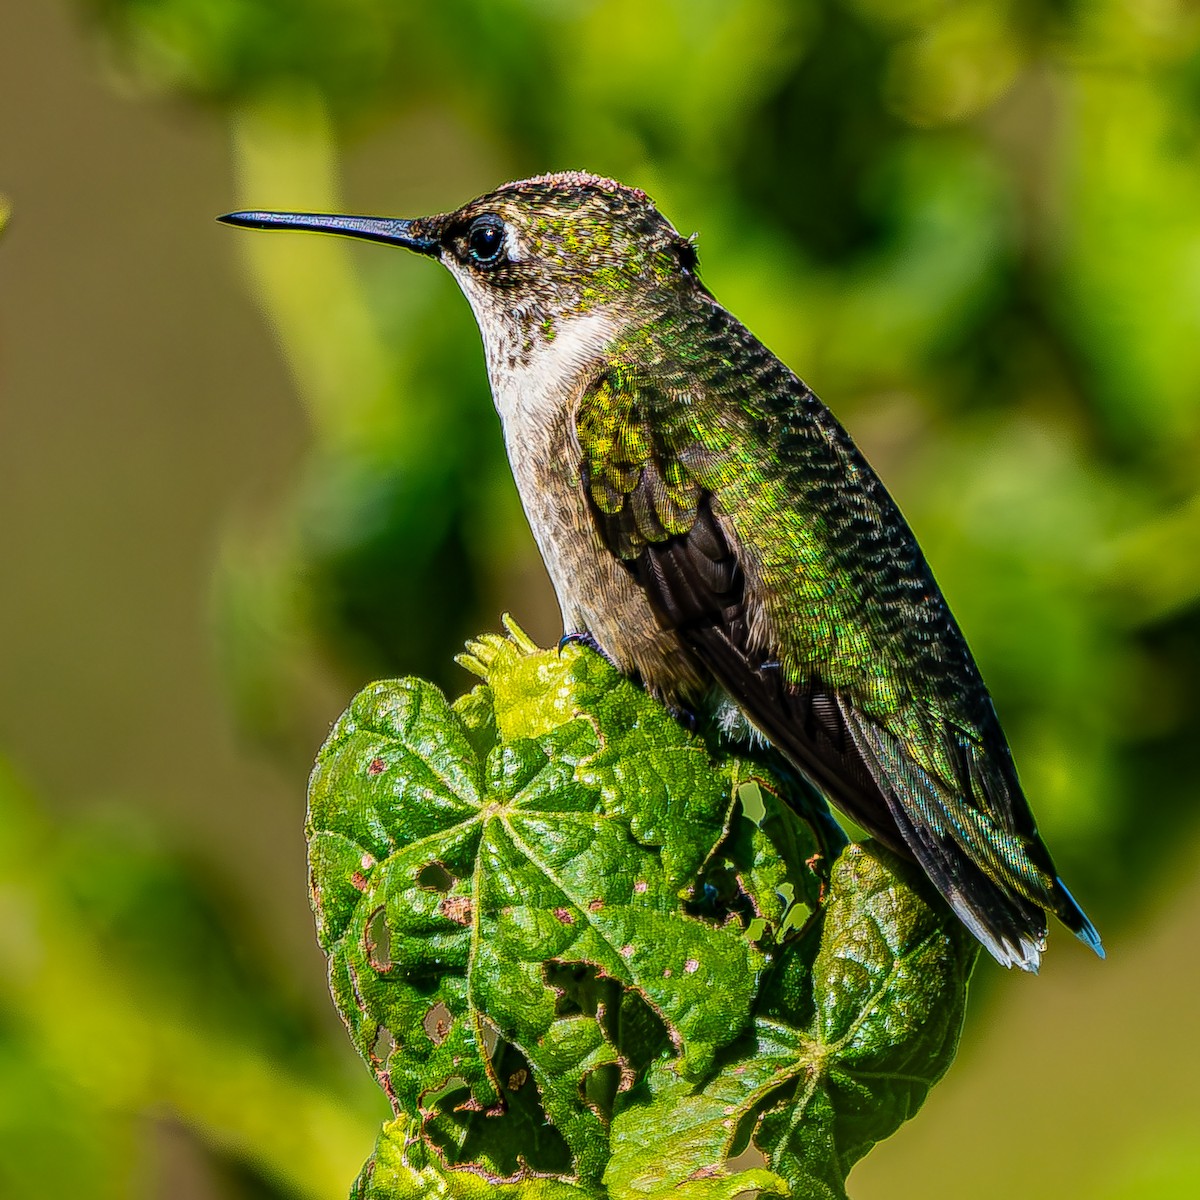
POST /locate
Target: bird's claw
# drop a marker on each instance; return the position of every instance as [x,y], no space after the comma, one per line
[686,717]
[585,637]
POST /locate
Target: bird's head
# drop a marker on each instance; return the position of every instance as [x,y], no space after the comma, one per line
[534,254]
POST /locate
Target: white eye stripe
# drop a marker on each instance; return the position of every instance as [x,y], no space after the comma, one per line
[516,248]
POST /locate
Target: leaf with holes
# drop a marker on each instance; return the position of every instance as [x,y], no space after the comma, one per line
[817,1084]
[403,1168]
[889,987]
[589,953]
[504,890]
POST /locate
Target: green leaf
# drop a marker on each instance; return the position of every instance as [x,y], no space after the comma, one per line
[515,874]
[887,981]
[889,992]
[581,947]
[402,1169]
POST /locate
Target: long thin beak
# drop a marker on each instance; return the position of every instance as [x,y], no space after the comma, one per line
[392,230]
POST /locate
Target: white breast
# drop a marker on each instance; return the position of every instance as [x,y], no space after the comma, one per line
[536,382]
[530,385]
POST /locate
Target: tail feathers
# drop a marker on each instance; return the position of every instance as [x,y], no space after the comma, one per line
[993,878]
[1011,942]
[1011,928]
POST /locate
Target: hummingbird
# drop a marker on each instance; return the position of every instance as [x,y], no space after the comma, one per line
[710,527]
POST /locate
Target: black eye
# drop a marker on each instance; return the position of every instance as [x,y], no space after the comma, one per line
[485,240]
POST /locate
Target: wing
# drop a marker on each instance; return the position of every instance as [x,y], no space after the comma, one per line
[666,496]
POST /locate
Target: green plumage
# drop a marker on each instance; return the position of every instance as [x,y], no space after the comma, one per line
[845,592]
[837,593]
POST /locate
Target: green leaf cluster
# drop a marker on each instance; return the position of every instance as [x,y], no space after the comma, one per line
[587,952]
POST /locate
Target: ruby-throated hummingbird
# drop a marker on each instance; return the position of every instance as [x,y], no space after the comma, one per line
[711,527]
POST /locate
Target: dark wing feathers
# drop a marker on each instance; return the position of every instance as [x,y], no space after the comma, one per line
[854,762]
[972,833]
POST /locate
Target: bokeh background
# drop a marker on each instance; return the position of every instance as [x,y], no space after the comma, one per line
[241,475]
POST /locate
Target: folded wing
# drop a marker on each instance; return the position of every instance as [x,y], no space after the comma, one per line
[943,794]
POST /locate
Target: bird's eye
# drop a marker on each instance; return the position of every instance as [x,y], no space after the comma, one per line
[485,241]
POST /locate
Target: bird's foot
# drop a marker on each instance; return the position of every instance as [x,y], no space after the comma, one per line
[585,637]
[685,716]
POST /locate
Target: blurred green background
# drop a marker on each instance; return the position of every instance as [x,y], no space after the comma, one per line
[241,475]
